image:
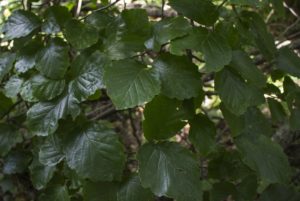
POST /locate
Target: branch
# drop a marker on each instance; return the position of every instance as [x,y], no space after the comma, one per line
[101,9]
[133,126]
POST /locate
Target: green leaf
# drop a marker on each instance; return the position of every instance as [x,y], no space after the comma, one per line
[57,193]
[252,121]
[87,74]
[5,104]
[227,165]
[46,89]
[27,92]
[258,31]
[40,174]
[272,166]
[75,181]
[168,111]
[229,30]
[95,152]
[100,191]
[99,20]
[279,192]
[126,35]
[9,137]
[277,110]
[204,11]
[278,7]
[202,134]
[42,118]
[16,162]
[51,151]
[222,190]
[7,185]
[294,119]
[166,30]
[288,62]
[246,190]
[132,190]
[13,86]
[55,19]
[53,60]
[217,52]
[80,35]
[170,170]
[26,57]
[235,93]
[21,23]
[179,77]
[192,41]
[130,83]
[6,63]
[243,65]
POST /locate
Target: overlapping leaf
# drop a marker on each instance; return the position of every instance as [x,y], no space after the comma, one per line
[26,57]
[170,170]
[51,151]
[21,23]
[43,117]
[87,74]
[80,35]
[55,19]
[166,30]
[130,83]
[132,190]
[235,93]
[53,60]
[272,166]
[179,77]
[202,134]
[94,152]
[46,89]
[9,137]
[6,63]
[204,11]
[126,35]
[163,109]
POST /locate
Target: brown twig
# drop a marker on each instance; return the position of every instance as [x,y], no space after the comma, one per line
[101,9]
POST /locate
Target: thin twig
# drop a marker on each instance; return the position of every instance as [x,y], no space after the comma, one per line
[24,3]
[291,10]
[163,9]
[11,108]
[101,9]
[290,27]
[104,114]
[78,9]
[198,59]
[222,4]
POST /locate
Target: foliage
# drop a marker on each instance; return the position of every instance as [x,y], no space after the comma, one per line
[212,113]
